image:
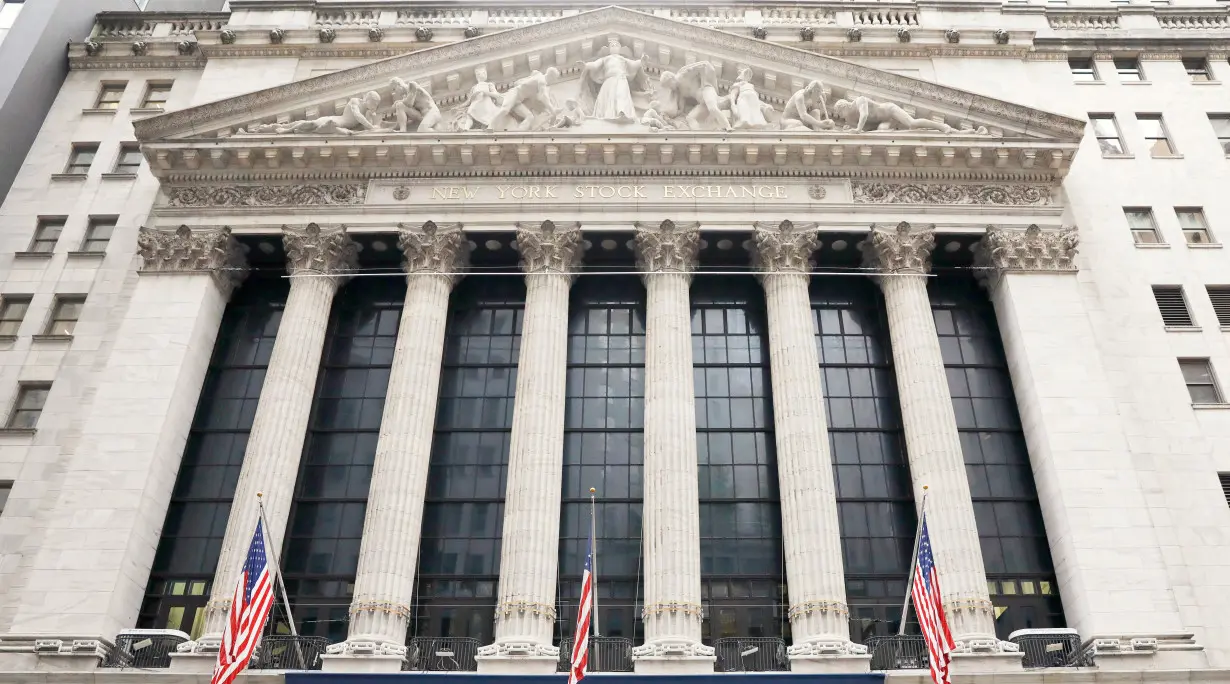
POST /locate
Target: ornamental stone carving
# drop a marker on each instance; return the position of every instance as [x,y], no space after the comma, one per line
[760,32]
[854,35]
[904,249]
[903,35]
[423,34]
[1001,37]
[1032,249]
[265,195]
[327,35]
[472,32]
[139,48]
[435,249]
[784,248]
[951,193]
[276,36]
[548,248]
[187,251]
[92,47]
[952,36]
[186,47]
[807,34]
[375,34]
[314,250]
[667,247]
[227,37]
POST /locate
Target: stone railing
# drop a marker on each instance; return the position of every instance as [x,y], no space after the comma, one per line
[1083,21]
[886,17]
[799,16]
[345,18]
[1188,20]
[435,17]
[127,26]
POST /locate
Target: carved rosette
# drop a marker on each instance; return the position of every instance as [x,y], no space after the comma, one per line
[184,250]
[313,250]
[667,247]
[784,248]
[435,249]
[1032,249]
[904,249]
[548,248]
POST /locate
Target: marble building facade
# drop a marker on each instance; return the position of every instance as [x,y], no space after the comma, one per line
[255,251]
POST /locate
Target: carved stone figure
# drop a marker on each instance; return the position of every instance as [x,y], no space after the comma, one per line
[865,114]
[481,105]
[570,116]
[693,90]
[527,105]
[747,111]
[806,109]
[412,102]
[355,118]
[607,84]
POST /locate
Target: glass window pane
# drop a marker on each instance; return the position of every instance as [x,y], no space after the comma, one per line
[1151,126]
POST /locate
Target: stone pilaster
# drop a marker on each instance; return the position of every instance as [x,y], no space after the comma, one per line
[525,613]
[318,261]
[85,579]
[668,254]
[903,257]
[384,583]
[811,533]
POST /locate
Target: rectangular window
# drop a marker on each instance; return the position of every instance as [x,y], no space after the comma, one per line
[109,96]
[46,235]
[1197,68]
[80,159]
[6,488]
[1172,306]
[156,96]
[129,158]
[29,405]
[1082,69]
[13,310]
[1198,375]
[1195,228]
[1128,69]
[98,234]
[1107,132]
[1144,228]
[1156,138]
[1221,128]
[64,315]
[1224,478]
[1219,296]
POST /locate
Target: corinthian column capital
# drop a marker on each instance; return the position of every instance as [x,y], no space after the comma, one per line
[213,251]
[548,248]
[1032,249]
[315,250]
[784,248]
[435,249]
[667,247]
[905,249]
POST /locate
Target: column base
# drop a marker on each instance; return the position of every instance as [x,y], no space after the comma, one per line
[518,657]
[842,664]
[985,663]
[347,662]
[673,658]
[41,653]
[1169,651]
[193,663]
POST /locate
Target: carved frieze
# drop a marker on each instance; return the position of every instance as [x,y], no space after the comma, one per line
[548,248]
[435,249]
[314,250]
[667,247]
[184,250]
[784,248]
[903,249]
[265,195]
[951,193]
[1032,249]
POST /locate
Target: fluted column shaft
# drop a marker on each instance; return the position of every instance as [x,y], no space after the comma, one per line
[384,583]
[932,441]
[318,260]
[525,614]
[811,534]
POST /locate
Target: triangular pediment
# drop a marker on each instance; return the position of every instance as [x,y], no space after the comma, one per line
[450,72]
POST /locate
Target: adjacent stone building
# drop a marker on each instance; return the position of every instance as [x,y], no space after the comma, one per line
[418,279]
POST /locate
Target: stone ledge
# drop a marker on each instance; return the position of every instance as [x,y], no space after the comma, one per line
[51,338]
[81,254]
[18,431]
[119,176]
[33,255]
[99,110]
[68,176]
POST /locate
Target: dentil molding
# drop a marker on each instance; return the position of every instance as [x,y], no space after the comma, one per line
[667,248]
[548,248]
[904,249]
[311,250]
[266,195]
[1026,195]
[187,251]
[1032,249]
[784,248]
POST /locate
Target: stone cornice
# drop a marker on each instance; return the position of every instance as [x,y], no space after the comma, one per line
[667,247]
[213,251]
[609,19]
[784,248]
[547,248]
[1003,250]
[311,250]
[903,249]
[434,249]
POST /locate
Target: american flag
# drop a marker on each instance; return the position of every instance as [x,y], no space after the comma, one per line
[930,610]
[580,643]
[249,609]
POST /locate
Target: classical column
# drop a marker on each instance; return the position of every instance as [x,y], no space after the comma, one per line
[668,254]
[85,579]
[903,257]
[525,614]
[1081,457]
[384,584]
[819,616]
[318,261]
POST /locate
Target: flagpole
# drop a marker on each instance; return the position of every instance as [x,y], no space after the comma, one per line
[909,585]
[593,536]
[277,570]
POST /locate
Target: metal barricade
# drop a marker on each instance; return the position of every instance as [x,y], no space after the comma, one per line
[148,649]
[1059,647]
[905,652]
[286,652]
[606,654]
[751,654]
[441,654]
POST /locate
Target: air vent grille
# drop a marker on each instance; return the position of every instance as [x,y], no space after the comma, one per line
[1172,306]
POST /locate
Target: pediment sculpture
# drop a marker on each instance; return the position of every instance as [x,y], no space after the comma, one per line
[612,92]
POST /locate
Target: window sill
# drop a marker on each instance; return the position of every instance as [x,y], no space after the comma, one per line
[1118,156]
[68,176]
[52,338]
[147,110]
[1182,328]
[1135,83]
[87,255]
[119,176]
[1089,82]
[33,255]
[1152,245]
[1211,407]
[1204,245]
[98,110]
[13,338]
[1208,83]
[1167,156]
[17,431]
